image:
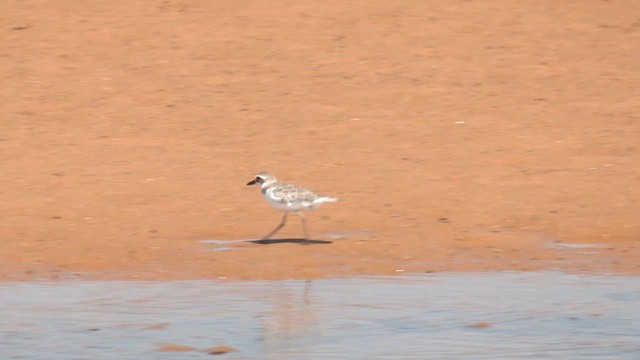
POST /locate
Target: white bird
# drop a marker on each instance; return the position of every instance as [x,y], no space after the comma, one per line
[288,197]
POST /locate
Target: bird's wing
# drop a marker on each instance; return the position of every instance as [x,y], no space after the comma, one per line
[290,193]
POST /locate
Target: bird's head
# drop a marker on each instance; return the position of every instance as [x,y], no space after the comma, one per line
[263,179]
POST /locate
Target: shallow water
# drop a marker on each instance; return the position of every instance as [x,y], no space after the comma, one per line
[525,316]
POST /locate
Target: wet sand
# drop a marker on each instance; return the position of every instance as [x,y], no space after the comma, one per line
[459,136]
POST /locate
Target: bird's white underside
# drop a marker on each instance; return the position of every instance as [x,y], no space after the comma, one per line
[297,206]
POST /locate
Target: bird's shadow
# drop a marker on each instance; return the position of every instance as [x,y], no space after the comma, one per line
[290,241]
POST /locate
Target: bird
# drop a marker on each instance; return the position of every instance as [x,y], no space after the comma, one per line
[287,198]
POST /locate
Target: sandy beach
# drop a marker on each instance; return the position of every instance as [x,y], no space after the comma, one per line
[459,136]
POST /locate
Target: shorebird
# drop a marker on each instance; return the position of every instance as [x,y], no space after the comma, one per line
[288,197]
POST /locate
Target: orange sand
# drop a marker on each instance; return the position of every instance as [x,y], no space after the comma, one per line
[460,136]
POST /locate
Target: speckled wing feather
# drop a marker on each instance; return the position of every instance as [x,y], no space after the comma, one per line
[289,193]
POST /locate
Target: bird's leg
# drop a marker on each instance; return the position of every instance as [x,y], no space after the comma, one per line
[304,225]
[274,231]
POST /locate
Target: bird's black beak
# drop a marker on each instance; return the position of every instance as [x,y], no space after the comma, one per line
[251,182]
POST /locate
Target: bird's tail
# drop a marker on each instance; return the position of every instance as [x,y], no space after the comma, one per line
[325,199]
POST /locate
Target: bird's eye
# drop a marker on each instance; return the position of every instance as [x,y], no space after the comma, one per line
[258,179]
